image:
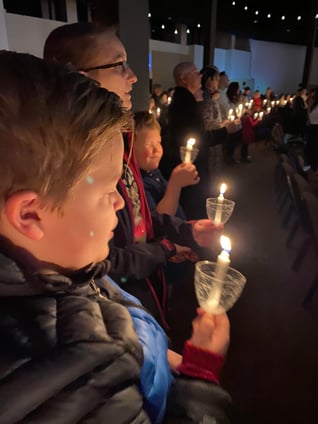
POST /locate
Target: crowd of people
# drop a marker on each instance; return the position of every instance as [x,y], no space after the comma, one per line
[89,253]
[227,118]
[83,255]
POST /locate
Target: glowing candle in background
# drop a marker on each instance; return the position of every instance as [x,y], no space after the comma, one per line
[240,110]
[261,115]
[222,266]
[188,150]
[218,212]
[158,112]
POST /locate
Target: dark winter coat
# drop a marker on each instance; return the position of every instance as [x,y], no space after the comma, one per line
[69,355]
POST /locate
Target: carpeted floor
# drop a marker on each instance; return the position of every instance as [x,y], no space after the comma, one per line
[271,369]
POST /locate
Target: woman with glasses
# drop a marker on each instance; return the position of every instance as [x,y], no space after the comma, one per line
[141,249]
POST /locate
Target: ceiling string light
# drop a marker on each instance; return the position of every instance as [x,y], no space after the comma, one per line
[269,15]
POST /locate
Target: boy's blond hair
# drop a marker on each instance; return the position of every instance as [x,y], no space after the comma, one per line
[145,120]
[53,125]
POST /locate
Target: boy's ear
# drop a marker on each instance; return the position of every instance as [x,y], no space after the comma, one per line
[22,210]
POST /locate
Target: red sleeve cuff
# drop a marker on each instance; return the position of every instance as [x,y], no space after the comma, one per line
[200,363]
[169,246]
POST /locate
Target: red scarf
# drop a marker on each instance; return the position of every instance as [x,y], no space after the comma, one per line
[130,161]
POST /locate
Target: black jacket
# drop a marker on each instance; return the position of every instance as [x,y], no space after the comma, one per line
[69,355]
[185,120]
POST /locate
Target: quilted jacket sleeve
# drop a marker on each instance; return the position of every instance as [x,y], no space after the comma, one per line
[197,401]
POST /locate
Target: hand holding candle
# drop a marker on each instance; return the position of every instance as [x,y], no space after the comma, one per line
[218,212]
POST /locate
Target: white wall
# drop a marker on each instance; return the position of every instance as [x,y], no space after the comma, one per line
[27,34]
[3,28]
[279,66]
[165,56]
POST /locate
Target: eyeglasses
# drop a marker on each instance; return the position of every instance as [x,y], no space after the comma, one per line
[122,63]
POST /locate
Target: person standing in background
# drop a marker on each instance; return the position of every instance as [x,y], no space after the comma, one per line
[185,121]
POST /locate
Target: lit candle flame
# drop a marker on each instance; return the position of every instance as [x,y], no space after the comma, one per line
[223,188]
[225,243]
[190,143]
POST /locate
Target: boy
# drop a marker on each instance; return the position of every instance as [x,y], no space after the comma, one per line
[162,195]
[69,354]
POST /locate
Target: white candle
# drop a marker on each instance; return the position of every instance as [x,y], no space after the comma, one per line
[188,151]
[222,266]
[223,260]
[261,115]
[158,112]
[240,110]
[218,211]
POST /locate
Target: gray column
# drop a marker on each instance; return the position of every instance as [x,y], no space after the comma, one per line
[210,31]
[311,41]
[3,28]
[182,31]
[134,33]
[71,11]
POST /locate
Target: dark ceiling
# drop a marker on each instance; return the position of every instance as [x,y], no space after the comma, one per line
[251,23]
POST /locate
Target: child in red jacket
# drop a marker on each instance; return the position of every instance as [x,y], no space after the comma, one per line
[248,134]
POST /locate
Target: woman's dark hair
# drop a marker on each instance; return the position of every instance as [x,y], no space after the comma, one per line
[208,72]
[233,91]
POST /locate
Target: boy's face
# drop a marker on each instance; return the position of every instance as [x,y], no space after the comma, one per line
[79,234]
[148,149]
[116,79]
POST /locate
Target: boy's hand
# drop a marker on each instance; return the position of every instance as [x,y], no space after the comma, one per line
[211,332]
[205,232]
[184,253]
[184,174]
[181,251]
